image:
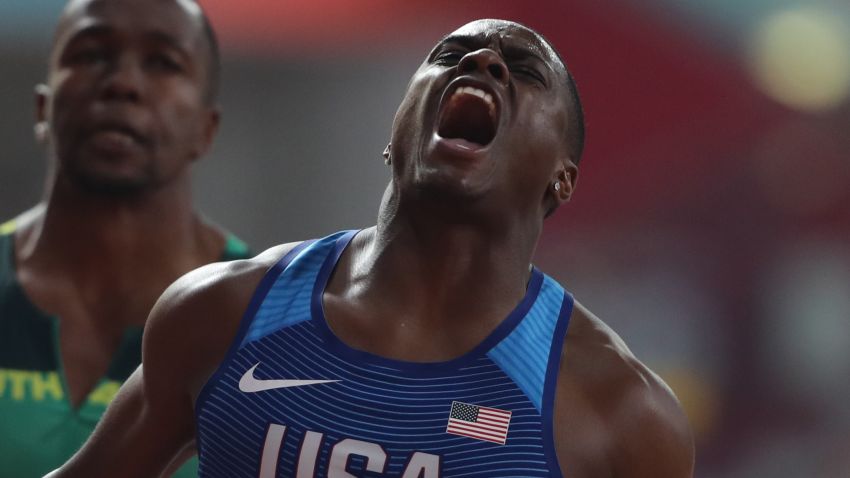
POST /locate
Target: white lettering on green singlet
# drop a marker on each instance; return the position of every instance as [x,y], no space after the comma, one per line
[8,227]
[20,385]
[46,384]
[18,381]
[104,393]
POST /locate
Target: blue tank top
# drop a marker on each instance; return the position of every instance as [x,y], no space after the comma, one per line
[292,400]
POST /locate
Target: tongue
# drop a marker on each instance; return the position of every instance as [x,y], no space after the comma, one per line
[467,116]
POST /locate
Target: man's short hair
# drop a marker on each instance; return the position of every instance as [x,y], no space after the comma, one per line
[575,126]
[214,65]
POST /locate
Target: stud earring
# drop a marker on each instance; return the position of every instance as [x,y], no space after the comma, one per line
[557,186]
[387,160]
[41,130]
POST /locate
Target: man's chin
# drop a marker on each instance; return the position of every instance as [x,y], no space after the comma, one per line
[446,175]
[113,186]
[455,187]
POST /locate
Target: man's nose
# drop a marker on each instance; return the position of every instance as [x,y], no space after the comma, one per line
[486,61]
[124,80]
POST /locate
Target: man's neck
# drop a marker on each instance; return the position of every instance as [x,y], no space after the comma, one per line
[98,236]
[448,269]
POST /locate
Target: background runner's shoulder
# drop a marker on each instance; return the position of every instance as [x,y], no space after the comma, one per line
[235,248]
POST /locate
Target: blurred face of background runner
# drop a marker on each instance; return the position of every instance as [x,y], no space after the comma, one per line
[127,96]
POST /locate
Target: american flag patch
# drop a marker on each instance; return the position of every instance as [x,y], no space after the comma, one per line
[481,423]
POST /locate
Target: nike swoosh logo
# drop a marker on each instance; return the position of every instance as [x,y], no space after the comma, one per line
[249,384]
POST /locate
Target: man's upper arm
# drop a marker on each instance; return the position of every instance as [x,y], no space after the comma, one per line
[654,437]
[151,420]
[152,417]
[614,417]
[132,440]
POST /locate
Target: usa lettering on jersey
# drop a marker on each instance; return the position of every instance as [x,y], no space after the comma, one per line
[420,465]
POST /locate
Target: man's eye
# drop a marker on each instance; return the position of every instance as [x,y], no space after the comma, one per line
[448,58]
[164,62]
[89,55]
[527,73]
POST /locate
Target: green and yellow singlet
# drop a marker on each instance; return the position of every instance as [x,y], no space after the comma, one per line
[39,429]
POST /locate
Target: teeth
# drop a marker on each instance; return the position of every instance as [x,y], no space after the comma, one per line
[487,97]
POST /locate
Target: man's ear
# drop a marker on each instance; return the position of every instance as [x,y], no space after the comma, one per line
[561,185]
[41,128]
[210,129]
[565,176]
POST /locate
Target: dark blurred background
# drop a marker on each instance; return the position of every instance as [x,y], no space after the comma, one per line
[711,226]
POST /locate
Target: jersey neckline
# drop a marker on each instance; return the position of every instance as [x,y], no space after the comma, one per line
[131,334]
[340,348]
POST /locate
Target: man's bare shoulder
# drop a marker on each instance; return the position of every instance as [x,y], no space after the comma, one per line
[219,282]
[196,319]
[641,429]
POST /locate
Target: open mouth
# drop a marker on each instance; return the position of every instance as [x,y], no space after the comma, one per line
[470,114]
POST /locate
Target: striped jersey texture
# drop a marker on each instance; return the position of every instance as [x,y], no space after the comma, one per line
[292,400]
